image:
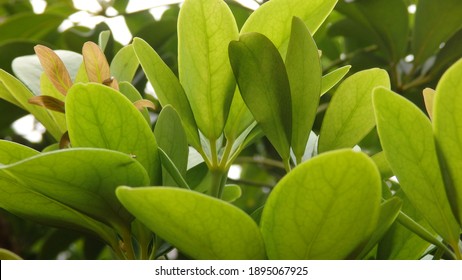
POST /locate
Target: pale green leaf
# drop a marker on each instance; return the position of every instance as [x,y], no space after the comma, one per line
[332,78]
[100,117]
[83,179]
[304,72]
[273,19]
[205,29]
[11,152]
[350,115]
[167,87]
[133,95]
[448,133]
[13,91]
[264,86]
[200,226]
[325,208]
[231,193]
[239,118]
[407,139]
[124,64]
[171,138]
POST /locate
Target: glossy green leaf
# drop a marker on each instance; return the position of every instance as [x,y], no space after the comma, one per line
[350,115]
[332,78]
[11,152]
[407,140]
[304,72]
[448,132]
[171,138]
[100,117]
[83,179]
[330,201]
[274,18]
[387,20]
[201,226]
[389,211]
[435,23]
[124,65]
[167,87]
[13,91]
[264,86]
[205,29]
[169,170]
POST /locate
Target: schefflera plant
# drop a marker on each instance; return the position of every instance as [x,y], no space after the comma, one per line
[111,142]
[425,154]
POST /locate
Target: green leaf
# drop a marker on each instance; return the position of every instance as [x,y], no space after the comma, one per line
[264,86]
[205,29]
[350,115]
[13,91]
[133,95]
[175,178]
[84,179]
[231,193]
[103,39]
[435,23]
[304,72]
[325,208]
[29,26]
[167,87]
[389,211]
[332,78]
[201,226]
[400,243]
[171,138]
[11,152]
[387,20]
[29,71]
[239,118]
[124,65]
[100,117]
[8,255]
[407,140]
[273,19]
[449,54]
[447,122]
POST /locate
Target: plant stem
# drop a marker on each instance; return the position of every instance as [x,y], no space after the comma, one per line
[128,245]
[287,166]
[261,160]
[219,177]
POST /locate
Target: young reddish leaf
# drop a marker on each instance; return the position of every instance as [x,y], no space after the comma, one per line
[144,103]
[96,63]
[48,102]
[54,68]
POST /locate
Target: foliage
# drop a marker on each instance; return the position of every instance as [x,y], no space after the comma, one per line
[331,169]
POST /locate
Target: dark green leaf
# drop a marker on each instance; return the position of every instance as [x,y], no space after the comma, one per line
[264,86]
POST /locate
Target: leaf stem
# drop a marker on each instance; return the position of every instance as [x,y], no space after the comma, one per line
[416,228]
[127,243]
[287,166]
[219,177]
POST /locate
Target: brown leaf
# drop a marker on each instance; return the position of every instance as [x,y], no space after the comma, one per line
[96,63]
[48,102]
[65,141]
[54,68]
[144,103]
